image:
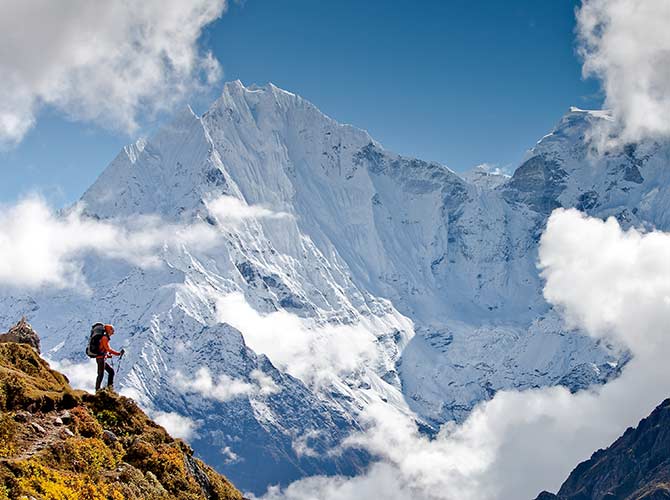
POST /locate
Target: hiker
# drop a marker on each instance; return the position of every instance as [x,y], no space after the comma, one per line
[102,352]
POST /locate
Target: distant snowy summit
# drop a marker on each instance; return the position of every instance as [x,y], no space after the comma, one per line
[486,176]
[344,274]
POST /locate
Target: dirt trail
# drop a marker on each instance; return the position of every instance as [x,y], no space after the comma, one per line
[37,432]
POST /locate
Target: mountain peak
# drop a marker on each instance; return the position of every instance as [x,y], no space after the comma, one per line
[234,86]
[486,176]
[236,89]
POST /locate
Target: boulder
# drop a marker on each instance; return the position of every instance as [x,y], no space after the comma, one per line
[22,333]
[109,436]
[22,416]
[38,428]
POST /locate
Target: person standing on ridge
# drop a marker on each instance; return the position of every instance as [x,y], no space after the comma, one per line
[105,352]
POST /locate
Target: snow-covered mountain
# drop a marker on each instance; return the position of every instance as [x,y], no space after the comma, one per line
[344,274]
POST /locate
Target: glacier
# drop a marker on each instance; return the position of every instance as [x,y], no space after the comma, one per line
[345,274]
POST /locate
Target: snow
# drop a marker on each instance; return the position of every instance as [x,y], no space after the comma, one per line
[393,278]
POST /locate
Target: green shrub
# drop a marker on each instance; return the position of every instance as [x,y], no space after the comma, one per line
[8,429]
[84,423]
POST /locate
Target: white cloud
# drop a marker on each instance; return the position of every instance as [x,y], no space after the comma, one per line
[177,425]
[626,44]
[105,62]
[39,247]
[81,375]
[617,273]
[231,211]
[316,354]
[301,444]
[614,283]
[139,397]
[224,388]
[266,386]
[229,456]
[494,169]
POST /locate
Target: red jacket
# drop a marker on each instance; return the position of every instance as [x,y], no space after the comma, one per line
[105,349]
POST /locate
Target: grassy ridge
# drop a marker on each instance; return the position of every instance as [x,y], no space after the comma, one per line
[57,443]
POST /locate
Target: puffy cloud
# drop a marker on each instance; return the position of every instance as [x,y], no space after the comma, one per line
[105,62]
[229,456]
[81,375]
[617,287]
[301,444]
[224,388]
[626,44]
[266,386]
[177,425]
[39,247]
[315,353]
[613,283]
[231,211]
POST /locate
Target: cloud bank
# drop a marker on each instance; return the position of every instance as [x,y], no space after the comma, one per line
[40,248]
[626,45]
[316,354]
[177,425]
[224,388]
[105,62]
[613,283]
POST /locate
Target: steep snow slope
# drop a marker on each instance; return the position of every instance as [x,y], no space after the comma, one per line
[344,273]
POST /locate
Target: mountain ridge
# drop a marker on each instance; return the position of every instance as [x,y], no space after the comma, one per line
[61,443]
[636,466]
[405,282]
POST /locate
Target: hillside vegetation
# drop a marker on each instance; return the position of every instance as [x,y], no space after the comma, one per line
[62,444]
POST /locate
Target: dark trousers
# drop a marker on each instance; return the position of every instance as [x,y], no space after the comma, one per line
[103,367]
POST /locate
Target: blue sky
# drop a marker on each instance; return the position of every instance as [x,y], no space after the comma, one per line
[458,82]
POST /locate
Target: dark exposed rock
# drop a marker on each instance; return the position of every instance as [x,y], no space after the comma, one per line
[538,183]
[199,475]
[545,495]
[632,174]
[635,467]
[22,333]
[22,416]
[587,201]
[109,436]
[216,177]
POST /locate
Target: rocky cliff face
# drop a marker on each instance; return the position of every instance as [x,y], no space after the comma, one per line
[56,442]
[635,467]
[22,333]
[344,274]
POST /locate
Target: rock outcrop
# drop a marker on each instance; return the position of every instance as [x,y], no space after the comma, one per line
[22,333]
[635,467]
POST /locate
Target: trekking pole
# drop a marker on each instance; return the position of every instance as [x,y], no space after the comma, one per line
[118,364]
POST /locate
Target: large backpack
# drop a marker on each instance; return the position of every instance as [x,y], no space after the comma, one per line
[93,347]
